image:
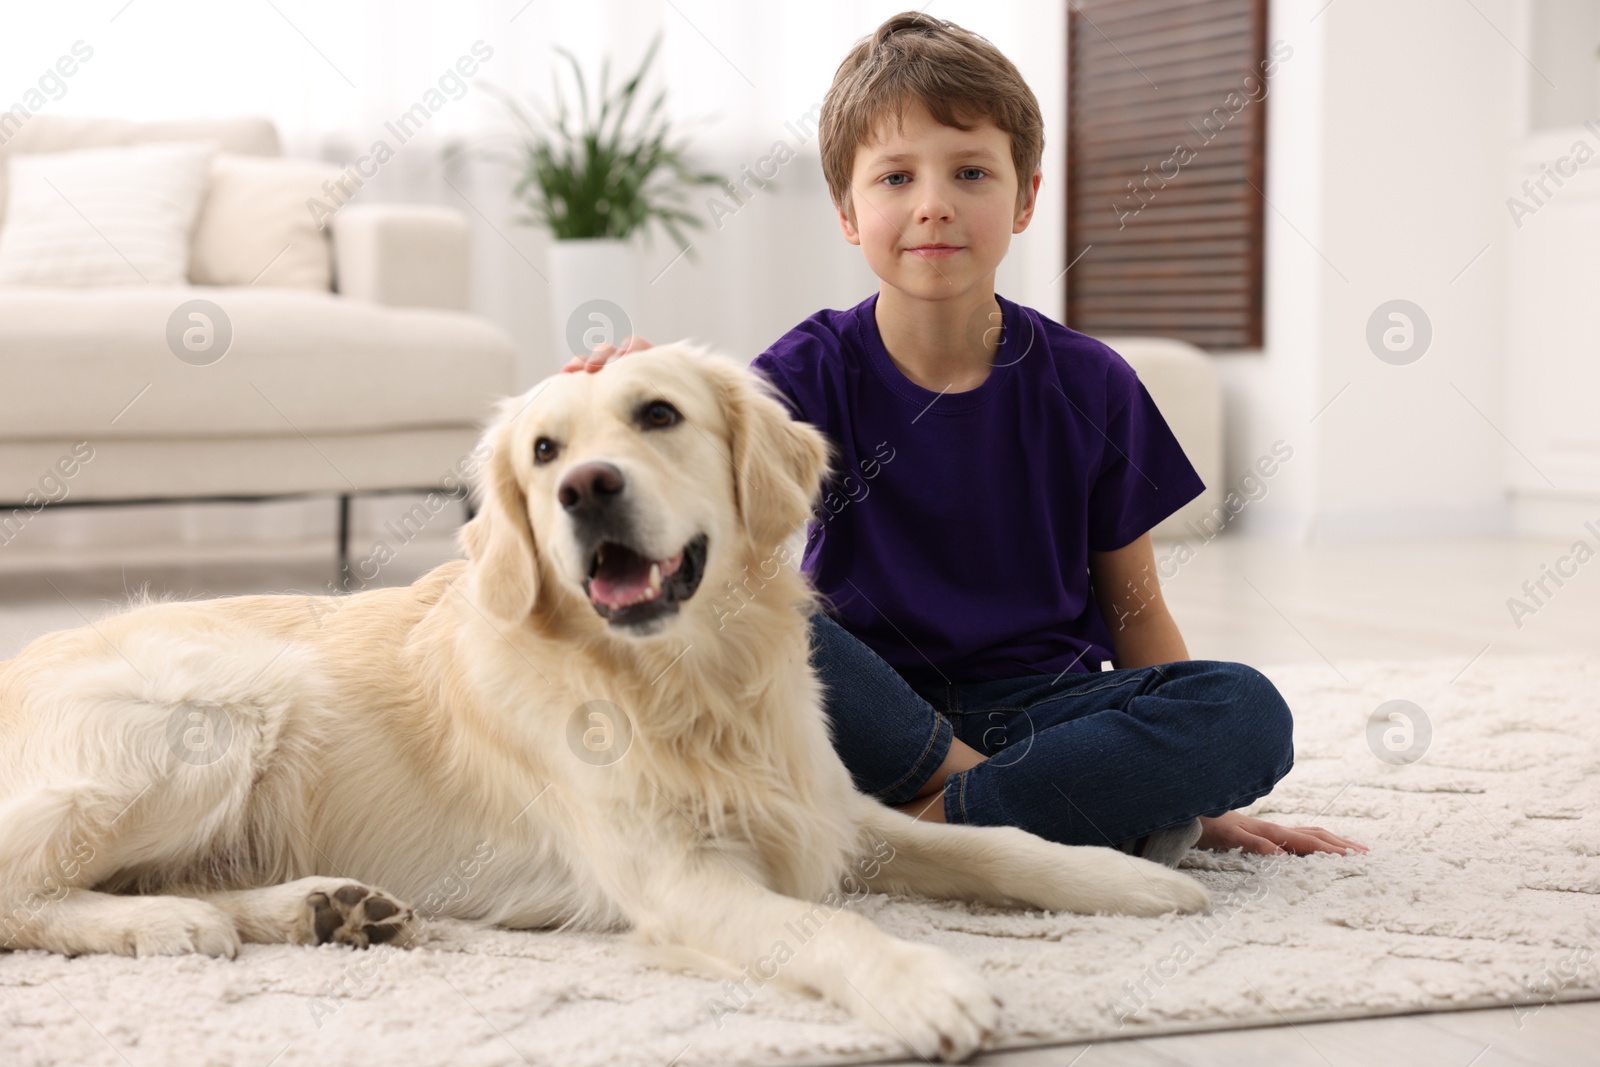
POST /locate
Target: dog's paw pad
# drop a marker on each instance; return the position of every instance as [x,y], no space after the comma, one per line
[358,915]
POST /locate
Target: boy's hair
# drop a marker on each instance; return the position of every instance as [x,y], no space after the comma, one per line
[958,76]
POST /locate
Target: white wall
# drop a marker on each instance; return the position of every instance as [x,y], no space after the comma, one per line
[1389,137]
[1552,370]
[1417,136]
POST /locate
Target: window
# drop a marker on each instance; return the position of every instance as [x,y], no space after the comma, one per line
[1166,126]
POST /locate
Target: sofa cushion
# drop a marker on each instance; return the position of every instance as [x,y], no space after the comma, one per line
[254,227]
[109,363]
[64,133]
[103,216]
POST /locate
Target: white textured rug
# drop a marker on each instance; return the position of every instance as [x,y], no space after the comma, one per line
[1482,887]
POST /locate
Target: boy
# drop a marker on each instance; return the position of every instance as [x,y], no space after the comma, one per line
[986,545]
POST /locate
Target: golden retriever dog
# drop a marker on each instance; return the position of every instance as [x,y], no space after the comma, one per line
[575,700]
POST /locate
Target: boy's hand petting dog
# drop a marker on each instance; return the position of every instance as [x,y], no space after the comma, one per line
[1234,830]
[604,354]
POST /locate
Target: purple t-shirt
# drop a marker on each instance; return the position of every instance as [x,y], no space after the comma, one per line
[953,539]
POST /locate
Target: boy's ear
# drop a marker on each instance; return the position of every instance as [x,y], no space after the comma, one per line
[1025,216]
[847,224]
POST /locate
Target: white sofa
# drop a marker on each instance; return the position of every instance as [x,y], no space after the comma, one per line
[379,386]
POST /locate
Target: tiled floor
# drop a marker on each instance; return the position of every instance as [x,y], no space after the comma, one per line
[1254,601]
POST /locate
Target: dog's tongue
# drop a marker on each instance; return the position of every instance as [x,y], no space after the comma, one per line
[624,577]
[620,583]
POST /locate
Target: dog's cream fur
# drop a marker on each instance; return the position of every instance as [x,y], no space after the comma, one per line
[361,752]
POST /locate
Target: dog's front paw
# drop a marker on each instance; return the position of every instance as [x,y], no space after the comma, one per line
[354,914]
[176,926]
[928,999]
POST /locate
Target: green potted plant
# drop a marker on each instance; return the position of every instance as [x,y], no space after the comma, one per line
[594,181]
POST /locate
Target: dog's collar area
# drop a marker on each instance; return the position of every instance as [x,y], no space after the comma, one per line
[628,588]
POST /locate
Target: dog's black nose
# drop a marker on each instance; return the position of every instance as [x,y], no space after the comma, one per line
[589,486]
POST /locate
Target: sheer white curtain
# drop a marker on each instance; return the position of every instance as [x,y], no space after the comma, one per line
[333,73]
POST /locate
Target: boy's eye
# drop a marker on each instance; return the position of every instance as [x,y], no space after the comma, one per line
[890,178]
[973,171]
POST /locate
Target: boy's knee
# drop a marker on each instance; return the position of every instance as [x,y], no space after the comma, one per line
[1264,725]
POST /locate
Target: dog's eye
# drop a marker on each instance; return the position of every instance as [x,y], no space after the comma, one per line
[659,414]
[545,450]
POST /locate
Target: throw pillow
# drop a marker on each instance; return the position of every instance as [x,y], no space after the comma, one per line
[103,216]
[255,228]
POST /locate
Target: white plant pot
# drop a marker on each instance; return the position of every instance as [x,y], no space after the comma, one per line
[595,297]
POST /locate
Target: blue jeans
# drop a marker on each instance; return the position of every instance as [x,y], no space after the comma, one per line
[1083,759]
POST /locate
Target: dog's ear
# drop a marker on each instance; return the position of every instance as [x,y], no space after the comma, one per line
[778,462]
[499,539]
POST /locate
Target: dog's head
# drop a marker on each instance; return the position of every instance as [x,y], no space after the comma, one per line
[628,489]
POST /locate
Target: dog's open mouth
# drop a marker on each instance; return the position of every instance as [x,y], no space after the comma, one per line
[626,587]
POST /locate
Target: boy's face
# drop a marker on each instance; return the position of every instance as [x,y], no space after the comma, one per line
[929,184]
